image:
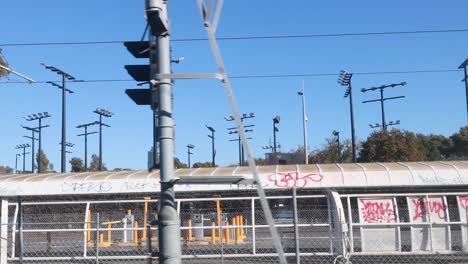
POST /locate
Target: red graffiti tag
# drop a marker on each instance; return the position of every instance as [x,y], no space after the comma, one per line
[293,179]
[377,212]
[463,202]
[425,208]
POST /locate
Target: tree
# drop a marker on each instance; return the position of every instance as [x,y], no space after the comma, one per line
[94,165]
[179,164]
[329,152]
[207,164]
[77,165]
[45,164]
[5,170]
[460,143]
[391,146]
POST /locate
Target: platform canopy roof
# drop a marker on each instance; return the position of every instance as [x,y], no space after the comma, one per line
[314,176]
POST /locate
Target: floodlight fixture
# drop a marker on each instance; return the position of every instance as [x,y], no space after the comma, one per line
[59,72]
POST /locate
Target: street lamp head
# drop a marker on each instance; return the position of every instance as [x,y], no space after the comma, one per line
[210,128]
[103,112]
[335,133]
[300,93]
[345,78]
[276,120]
[190,146]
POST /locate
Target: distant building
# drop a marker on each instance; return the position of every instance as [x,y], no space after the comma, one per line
[279,158]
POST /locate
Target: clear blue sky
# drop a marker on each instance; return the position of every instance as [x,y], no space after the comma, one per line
[435,102]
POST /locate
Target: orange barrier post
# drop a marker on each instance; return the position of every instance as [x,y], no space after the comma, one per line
[242,227]
[145,218]
[213,233]
[226,234]
[88,226]
[109,233]
[218,212]
[189,238]
[135,232]
[101,239]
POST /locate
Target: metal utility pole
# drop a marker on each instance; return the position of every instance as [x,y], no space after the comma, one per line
[464,66]
[85,134]
[39,116]
[345,80]
[16,162]
[382,99]
[101,112]
[391,123]
[23,146]
[33,139]
[234,131]
[65,76]
[189,153]
[213,150]
[337,135]
[304,124]
[276,121]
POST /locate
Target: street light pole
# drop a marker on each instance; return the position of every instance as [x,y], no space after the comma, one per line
[33,139]
[234,131]
[213,150]
[85,134]
[276,120]
[23,146]
[189,147]
[337,135]
[65,76]
[101,112]
[39,116]
[16,162]
[345,80]
[304,124]
[464,66]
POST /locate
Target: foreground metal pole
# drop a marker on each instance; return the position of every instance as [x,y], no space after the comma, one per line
[20,229]
[64,125]
[296,227]
[353,138]
[169,224]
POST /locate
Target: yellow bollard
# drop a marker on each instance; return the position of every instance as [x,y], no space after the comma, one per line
[218,214]
[101,239]
[88,226]
[145,218]
[109,233]
[226,233]
[238,237]
[242,228]
[213,233]
[135,232]
[189,237]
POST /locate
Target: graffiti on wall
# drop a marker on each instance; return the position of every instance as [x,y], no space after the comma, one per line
[294,179]
[463,202]
[424,208]
[373,211]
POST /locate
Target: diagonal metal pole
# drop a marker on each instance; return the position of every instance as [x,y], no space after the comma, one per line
[235,113]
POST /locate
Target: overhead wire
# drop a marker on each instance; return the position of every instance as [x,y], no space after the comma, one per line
[254,37]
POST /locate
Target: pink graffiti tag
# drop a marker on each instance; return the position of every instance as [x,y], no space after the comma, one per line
[424,208]
[377,212]
[463,202]
[293,179]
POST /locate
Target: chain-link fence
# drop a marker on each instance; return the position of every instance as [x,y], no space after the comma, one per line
[410,228]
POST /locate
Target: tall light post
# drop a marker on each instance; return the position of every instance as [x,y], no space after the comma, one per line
[189,153]
[276,121]
[101,112]
[337,135]
[65,76]
[16,162]
[382,99]
[213,150]
[345,80]
[23,146]
[33,139]
[241,148]
[464,66]
[39,116]
[304,124]
[85,134]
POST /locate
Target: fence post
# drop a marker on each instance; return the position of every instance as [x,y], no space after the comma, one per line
[97,237]
[296,227]
[4,232]
[20,228]
[148,244]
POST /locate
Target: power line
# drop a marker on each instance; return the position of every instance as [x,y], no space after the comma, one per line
[272,76]
[301,36]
